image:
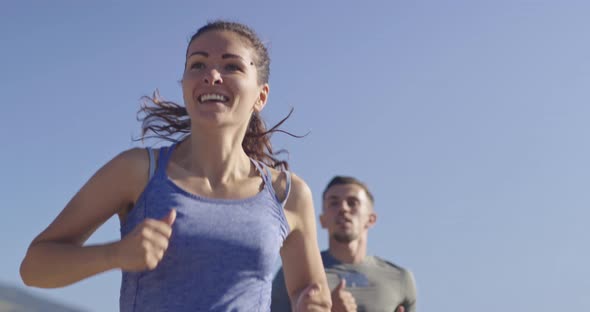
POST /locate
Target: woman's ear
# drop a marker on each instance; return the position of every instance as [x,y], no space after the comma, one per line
[262,98]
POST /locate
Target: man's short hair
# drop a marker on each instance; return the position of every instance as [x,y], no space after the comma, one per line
[337,180]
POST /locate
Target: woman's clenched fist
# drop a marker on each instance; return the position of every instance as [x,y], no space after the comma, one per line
[144,247]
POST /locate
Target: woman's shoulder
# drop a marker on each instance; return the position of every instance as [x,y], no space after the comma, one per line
[298,186]
[139,156]
[295,197]
[132,158]
[133,164]
[290,187]
[130,170]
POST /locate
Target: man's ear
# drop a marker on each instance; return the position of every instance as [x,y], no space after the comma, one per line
[372,220]
[262,98]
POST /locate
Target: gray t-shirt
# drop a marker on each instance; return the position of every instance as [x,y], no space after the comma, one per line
[376,285]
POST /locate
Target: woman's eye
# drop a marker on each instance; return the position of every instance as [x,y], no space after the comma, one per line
[197,65]
[233,67]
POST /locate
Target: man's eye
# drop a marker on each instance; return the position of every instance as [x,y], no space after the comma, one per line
[353,203]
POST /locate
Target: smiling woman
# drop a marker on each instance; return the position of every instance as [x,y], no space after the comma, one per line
[165,118]
[204,219]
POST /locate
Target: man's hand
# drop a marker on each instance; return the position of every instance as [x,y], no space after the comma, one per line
[342,299]
[400,308]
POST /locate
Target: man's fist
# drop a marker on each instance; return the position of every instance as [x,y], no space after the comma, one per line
[342,299]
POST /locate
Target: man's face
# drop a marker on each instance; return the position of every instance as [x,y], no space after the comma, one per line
[347,212]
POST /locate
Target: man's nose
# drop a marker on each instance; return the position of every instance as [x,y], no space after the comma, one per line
[343,207]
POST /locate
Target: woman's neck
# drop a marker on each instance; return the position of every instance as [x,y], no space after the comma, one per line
[217,157]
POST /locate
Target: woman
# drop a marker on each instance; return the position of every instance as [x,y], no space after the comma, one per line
[203,220]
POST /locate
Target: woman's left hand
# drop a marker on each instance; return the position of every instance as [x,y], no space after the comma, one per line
[311,300]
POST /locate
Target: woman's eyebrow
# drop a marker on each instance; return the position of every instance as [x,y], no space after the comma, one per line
[224,56]
[229,55]
[205,54]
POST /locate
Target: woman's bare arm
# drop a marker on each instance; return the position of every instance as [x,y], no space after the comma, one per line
[302,263]
[57,256]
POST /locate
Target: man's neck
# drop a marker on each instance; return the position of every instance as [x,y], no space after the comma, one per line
[353,252]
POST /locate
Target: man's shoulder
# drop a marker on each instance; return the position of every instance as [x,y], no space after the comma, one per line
[386,264]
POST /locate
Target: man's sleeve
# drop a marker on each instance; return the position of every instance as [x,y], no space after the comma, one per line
[280,298]
[410,290]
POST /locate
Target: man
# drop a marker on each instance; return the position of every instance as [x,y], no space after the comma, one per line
[358,282]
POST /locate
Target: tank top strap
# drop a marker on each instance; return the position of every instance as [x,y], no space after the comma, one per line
[164,157]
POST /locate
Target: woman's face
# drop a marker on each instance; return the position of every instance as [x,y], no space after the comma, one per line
[219,85]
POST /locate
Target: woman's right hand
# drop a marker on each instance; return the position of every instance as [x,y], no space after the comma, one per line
[58,256]
[144,247]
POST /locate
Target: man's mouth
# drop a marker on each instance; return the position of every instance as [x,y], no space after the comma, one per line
[343,221]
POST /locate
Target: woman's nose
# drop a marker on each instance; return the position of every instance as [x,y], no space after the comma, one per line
[212,77]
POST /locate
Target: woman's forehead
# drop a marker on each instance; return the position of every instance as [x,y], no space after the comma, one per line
[220,42]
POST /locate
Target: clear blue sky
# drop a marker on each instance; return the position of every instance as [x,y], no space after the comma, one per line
[468,119]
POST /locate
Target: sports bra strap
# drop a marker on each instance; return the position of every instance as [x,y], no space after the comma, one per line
[152,167]
[267,178]
[287,187]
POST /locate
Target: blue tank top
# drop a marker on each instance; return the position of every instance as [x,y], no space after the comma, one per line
[222,253]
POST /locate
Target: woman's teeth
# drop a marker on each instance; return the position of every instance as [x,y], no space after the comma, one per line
[212,97]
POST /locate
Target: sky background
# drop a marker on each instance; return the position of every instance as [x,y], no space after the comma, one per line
[467,119]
